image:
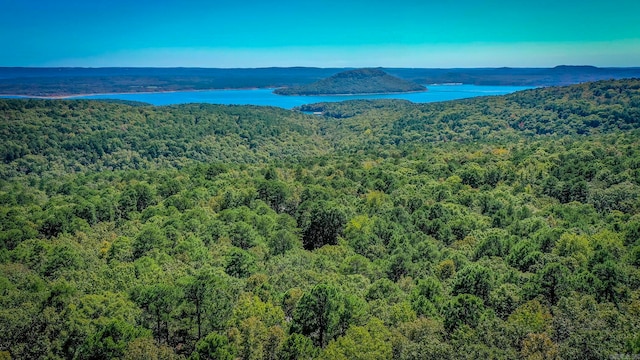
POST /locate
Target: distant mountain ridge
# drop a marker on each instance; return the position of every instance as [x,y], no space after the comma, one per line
[351,82]
[53,82]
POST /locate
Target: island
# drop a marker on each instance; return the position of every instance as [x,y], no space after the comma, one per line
[352,82]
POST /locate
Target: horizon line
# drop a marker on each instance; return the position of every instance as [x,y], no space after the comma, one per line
[320,67]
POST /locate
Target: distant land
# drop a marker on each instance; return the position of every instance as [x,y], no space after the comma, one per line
[57,82]
[351,82]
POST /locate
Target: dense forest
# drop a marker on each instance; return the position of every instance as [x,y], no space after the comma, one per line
[499,227]
[359,81]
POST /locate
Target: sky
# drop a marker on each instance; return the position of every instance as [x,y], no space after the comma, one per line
[329,33]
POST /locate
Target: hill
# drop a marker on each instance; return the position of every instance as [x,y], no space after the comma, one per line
[504,227]
[359,81]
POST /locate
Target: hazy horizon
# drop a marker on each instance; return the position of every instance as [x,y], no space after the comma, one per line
[334,34]
[320,67]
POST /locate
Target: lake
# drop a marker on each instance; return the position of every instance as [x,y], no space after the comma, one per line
[266,97]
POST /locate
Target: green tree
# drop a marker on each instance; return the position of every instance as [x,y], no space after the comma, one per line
[276,194]
[505,299]
[612,284]
[111,341]
[426,296]
[197,289]
[539,346]
[524,255]
[473,279]
[530,318]
[297,346]
[463,309]
[136,197]
[58,220]
[159,301]
[551,282]
[283,241]
[63,256]
[151,237]
[372,341]
[318,313]
[286,235]
[322,225]
[472,174]
[146,349]
[240,263]
[213,347]
[494,243]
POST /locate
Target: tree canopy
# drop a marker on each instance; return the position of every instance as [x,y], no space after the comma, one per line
[499,227]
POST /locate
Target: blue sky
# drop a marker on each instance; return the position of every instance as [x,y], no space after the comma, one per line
[332,33]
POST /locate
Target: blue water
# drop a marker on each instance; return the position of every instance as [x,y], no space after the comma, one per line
[266,97]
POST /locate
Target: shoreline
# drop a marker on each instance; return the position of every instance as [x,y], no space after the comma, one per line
[71,96]
[272,89]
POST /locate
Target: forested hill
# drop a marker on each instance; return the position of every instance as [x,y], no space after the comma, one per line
[359,81]
[69,135]
[500,228]
[44,135]
[592,108]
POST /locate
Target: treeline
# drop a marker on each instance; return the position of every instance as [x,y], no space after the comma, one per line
[515,244]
